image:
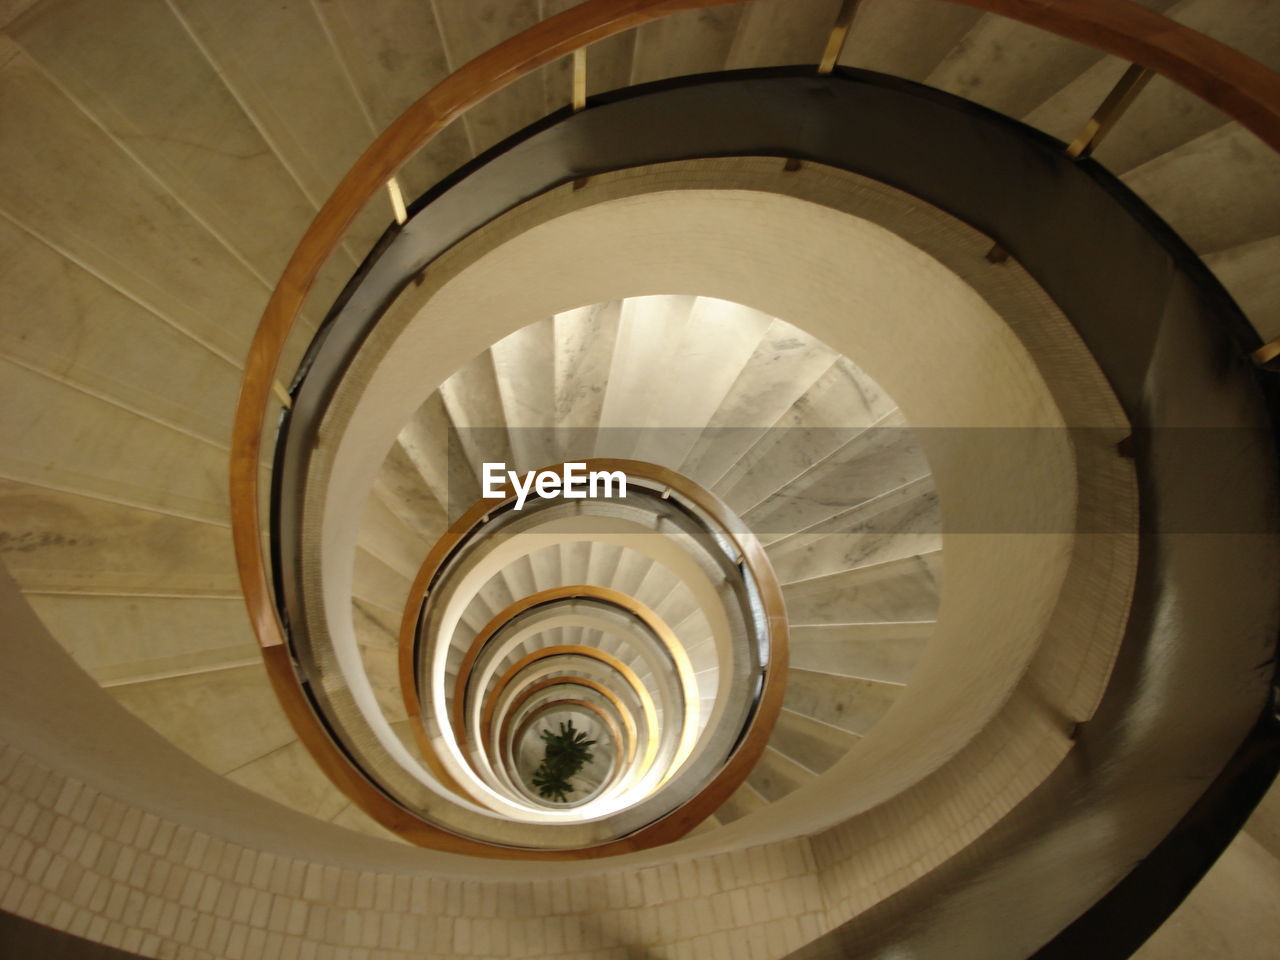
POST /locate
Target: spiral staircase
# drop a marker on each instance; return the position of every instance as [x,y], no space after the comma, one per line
[911,556]
[859,574]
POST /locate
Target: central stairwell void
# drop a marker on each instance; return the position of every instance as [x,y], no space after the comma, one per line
[772,483]
[768,480]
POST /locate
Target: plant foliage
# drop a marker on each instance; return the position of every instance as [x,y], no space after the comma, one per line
[566,753]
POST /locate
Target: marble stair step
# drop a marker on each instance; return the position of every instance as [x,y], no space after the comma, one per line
[393,52]
[405,493]
[174,266]
[1164,116]
[786,363]
[288,775]
[708,683]
[693,41]
[776,33]
[656,589]
[312,117]
[703,352]
[390,539]
[524,368]
[646,327]
[469,28]
[544,563]
[222,160]
[473,401]
[585,340]
[519,577]
[678,605]
[813,745]
[120,640]
[841,404]
[704,660]
[884,651]
[1236,199]
[56,542]
[575,561]
[435,450]
[905,522]
[743,802]
[377,585]
[905,589]
[852,704]
[1249,274]
[879,459]
[48,302]
[602,566]
[630,574]
[225,718]
[58,437]
[908,38]
[776,775]
[381,660]
[574,635]
[1009,66]
[495,595]
[612,645]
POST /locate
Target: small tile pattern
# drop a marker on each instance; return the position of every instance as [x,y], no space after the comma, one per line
[83,862]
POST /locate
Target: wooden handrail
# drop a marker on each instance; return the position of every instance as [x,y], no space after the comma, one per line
[488,73]
[754,559]
[628,721]
[1239,86]
[574,650]
[614,598]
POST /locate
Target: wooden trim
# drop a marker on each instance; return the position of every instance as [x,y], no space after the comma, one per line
[574,650]
[679,822]
[614,598]
[629,742]
[754,558]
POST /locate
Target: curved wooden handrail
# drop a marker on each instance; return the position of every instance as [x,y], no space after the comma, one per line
[752,744]
[1239,86]
[475,516]
[573,650]
[614,598]
[488,73]
[629,740]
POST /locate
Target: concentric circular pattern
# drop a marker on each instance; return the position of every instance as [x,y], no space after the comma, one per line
[513,672]
[783,494]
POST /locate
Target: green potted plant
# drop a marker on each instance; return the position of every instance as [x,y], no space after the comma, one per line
[566,753]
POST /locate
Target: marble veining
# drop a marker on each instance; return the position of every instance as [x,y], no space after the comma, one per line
[905,589]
